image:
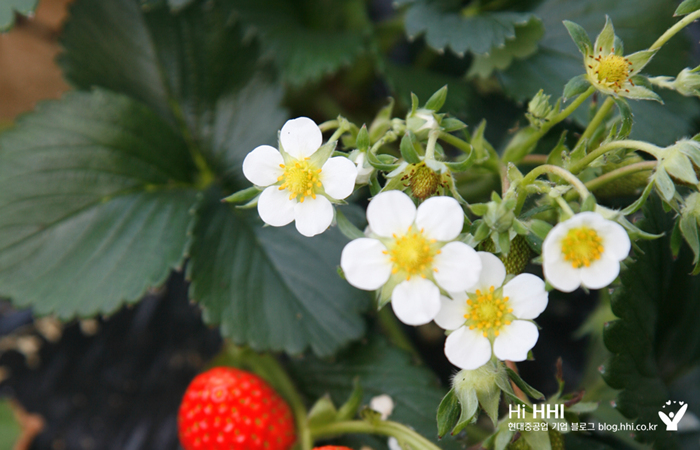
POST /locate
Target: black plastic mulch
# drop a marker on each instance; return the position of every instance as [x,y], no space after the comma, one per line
[120,388]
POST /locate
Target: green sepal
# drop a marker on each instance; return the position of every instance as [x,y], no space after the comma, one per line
[322,412]
[479,208]
[369,415]
[589,203]
[580,37]
[346,227]
[242,196]
[643,93]
[469,403]
[349,409]
[627,117]
[436,101]
[687,7]
[374,186]
[503,243]
[461,166]
[507,389]
[414,103]
[576,86]
[408,149]
[639,60]
[321,155]
[362,141]
[378,164]
[676,238]
[639,202]
[448,413]
[480,230]
[664,184]
[526,388]
[450,124]
[689,229]
[606,38]
[382,122]
[250,205]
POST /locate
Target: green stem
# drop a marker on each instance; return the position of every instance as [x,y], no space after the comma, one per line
[382,428]
[555,170]
[636,145]
[391,326]
[329,125]
[527,146]
[336,135]
[600,115]
[613,175]
[674,29]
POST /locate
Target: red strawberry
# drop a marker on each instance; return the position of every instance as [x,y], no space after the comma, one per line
[332,447]
[230,409]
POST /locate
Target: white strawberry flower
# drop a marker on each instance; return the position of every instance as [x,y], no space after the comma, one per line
[413,252]
[584,250]
[492,318]
[300,182]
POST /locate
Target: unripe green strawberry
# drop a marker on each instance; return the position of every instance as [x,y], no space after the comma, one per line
[518,256]
[556,439]
[227,408]
[627,185]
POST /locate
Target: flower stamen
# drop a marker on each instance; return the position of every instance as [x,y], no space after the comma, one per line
[487,310]
[301,180]
[582,246]
[413,254]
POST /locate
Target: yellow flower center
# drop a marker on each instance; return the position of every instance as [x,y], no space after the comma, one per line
[488,312]
[613,68]
[581,246]
[301,180]
[413,254]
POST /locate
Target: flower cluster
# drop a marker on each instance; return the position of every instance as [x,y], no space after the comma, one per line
[418,258]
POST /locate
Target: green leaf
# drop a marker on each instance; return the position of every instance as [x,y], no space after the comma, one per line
[271,288]
[10,7]
[10,430]
[656,337]
[580,37]
[559,60]
[521,46]
[95,199]
[462,33]
[687,7]
[382,369]
[306,41]
[178,64]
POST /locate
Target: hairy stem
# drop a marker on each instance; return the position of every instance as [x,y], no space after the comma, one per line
[600,115]
[555,170]
[382,428]
[517,154]
[329,125]
[603,149]
[674,29]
